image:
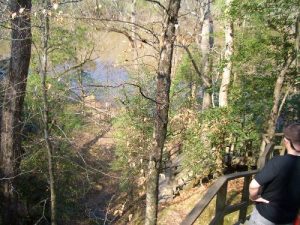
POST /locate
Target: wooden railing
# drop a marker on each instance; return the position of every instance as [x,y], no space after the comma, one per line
[219,189]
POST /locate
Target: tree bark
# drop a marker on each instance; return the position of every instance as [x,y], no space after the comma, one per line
[162,108]
[297,44]
[270,131]
[275,111]
[45,111]
[206,44]
[15,88]
[223,94]
[133,35]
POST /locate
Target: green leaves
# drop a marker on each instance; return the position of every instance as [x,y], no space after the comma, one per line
[214,131]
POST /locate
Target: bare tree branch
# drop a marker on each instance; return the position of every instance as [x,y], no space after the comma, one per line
[204,78]
[122,85]
[18,175]
[149,31]
[158,3]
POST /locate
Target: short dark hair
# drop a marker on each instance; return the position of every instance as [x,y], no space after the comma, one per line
[292,133]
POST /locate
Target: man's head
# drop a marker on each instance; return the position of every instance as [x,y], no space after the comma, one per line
[292,136]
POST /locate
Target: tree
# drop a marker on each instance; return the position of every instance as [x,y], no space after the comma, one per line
[223,93]
[45,21]
[206,45]
[162,108]
[15,87]
[284,23]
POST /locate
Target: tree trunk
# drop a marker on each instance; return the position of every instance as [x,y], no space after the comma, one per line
[297,44]
[206,44]
[193,91]
[45,112]
[271,124]
[162,108]
[270,131]
[15,88]
[207,100]
[133,35]
[223,94]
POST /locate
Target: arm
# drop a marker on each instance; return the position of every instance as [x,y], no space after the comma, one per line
[254,192]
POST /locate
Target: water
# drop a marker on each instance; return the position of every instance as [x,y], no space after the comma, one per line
[105,75]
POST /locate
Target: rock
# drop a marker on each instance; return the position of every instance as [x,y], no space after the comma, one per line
[162,200]
[98,187]
[180,182]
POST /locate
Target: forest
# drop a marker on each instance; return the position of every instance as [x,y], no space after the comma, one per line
[126,111]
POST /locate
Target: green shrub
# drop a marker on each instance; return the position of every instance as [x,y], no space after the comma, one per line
[212,133]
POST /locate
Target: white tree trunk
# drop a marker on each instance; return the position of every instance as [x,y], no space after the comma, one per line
[206,44]
[223,94]
[133,35]
[297,44]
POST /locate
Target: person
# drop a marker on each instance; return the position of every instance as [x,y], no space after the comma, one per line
[276,188]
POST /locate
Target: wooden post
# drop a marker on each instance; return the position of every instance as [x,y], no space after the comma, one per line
[245,198]
[220,205]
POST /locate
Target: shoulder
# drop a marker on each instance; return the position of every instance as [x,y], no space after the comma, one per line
[275,160]
[272,169]
[279,161]
[273,165]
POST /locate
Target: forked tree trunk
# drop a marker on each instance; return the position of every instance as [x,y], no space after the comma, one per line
[162,108]
[223,93]
[15,88]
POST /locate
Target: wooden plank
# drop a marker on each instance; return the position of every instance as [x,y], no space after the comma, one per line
[239,174]
[228,210]
[215,219]
[202,204]
[236,207]
[221,203]
[245,198]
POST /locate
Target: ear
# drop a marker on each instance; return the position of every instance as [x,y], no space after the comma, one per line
[286,141]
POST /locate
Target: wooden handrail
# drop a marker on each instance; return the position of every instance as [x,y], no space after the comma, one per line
[219,189]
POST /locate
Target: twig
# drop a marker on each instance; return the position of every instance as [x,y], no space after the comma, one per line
[283,101]
[43,215]
[158,3]
[204,78]
[20,174]
[107,209]
[117,21]
[122,85]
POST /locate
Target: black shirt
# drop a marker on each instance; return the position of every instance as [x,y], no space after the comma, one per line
[280,181]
